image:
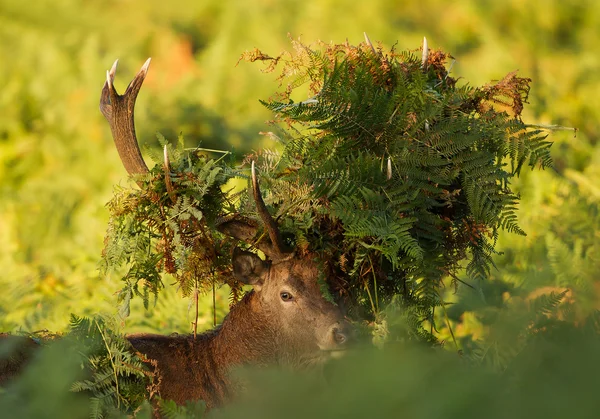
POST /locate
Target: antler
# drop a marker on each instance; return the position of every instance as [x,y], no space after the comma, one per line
[245,230]
[118,111]
[270,224]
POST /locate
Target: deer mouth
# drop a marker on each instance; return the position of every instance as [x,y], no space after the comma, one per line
[333,353]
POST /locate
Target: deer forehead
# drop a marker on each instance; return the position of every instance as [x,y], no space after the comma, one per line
[301,275]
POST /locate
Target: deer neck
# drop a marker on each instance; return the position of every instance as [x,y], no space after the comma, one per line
[247,335]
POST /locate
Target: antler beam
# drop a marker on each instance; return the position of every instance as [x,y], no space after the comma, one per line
[118,111]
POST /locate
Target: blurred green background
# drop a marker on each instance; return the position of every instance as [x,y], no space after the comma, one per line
[58,164]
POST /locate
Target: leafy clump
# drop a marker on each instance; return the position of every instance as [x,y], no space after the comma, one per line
[391,171]
[168,226]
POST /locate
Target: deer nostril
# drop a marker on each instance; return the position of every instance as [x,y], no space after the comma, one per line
[339,337]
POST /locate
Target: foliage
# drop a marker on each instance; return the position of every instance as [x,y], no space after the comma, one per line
[535,361]
[99,374]
[550,376]
[559,256]
[92,369]
[392,170]
[191,410]
[117,378]
[42,390]
[392,174]
[58,164]
[166,227]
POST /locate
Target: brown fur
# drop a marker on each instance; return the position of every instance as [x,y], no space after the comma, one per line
[21,350]
[260,330]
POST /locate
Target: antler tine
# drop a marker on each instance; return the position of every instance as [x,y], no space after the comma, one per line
[270,224]
[368,42]
[425,55]
[168,183]
[118,111]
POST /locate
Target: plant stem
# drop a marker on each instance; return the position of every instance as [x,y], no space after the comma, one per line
[112,362]
[448,321]
[214,304]
[374,286]
[196,302]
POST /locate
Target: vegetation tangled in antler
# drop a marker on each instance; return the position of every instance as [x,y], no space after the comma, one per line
[392,172]
[168,226]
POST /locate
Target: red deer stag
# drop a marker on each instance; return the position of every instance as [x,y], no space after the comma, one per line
[284,320]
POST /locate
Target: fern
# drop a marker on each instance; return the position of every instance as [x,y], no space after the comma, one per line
[447,191]
[117,378]
[191,410]
[164,229]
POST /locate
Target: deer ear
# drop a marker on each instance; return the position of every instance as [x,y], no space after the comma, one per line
[249,268]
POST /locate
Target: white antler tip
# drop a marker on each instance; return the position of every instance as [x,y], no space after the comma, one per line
[108,79]
[113,69]
[146,65]
[368,42]
[425,53]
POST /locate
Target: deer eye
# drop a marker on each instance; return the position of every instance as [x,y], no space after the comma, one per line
[286,296]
